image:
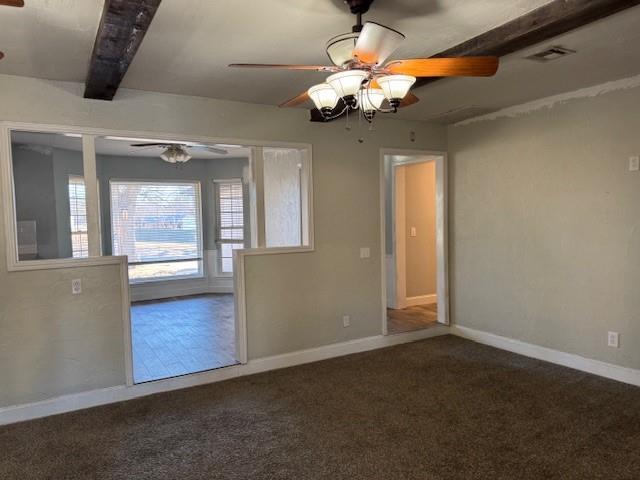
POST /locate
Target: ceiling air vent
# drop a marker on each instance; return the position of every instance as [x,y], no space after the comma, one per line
[550,54]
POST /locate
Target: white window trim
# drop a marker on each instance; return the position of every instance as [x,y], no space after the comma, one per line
[201,273]
[89,134]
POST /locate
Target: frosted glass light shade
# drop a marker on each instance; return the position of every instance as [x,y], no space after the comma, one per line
[370,99]
[340,48]
[347,83]
[396,87]
[324,96]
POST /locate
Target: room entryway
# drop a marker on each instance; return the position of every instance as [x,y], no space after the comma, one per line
[412,318]
[415,260]
[178,336]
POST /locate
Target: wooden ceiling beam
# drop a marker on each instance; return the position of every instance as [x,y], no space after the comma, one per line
[123,25]
[544,23]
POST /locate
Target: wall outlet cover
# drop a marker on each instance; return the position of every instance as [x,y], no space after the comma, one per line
[613,339]
[365,252]
[346,321]
[634,164]
[76,286]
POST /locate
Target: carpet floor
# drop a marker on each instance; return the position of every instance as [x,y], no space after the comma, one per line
[443,408]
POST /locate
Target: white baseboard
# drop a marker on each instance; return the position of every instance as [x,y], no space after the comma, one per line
[421,300]
[119,393]
[596,367]
[156,292]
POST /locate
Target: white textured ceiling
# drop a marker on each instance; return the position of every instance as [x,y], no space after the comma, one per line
[190,43]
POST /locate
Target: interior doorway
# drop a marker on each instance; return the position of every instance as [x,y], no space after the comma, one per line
[414,236]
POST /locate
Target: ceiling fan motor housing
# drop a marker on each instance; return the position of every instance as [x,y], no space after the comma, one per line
[359,6]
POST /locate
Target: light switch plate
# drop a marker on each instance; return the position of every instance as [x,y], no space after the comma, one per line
[634,164]
[346,321]
[365,252]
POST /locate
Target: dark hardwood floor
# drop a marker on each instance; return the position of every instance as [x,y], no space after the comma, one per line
[412,318]
[182,335]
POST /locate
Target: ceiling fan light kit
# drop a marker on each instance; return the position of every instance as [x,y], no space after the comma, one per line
[324,97]
[396,87]
[362,77]
[175,154]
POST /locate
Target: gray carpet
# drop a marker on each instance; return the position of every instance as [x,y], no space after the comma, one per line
[443,408]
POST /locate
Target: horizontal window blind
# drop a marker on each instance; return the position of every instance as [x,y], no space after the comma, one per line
[230,214]
[156,222]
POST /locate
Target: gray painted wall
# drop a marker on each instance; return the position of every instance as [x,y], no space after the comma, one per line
[35,195]
[294,301]
[545,228]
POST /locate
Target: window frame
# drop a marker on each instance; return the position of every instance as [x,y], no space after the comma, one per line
[88,134]
[199,223]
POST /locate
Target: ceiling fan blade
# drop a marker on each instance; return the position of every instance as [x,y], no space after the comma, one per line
[295,101]
[376,43]
[219,151]
[409,99]
[12,3]
[446,67]
[312,68]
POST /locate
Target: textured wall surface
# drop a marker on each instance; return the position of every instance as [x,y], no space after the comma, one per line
[420,212]
[294,300]
[545,228]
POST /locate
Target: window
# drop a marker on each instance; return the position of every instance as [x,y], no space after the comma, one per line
[78,217]
[230,217]
[158,226]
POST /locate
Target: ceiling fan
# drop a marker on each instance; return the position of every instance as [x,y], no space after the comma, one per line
[10,3]
[362,78]
[179,152]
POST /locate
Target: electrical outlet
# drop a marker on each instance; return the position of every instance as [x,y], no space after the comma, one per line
[76,286]
[634,164]
[365,252]
[413,232]
[613,339]
[346,321]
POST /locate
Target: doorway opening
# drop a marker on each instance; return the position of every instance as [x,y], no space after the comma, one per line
[179,211]
[415,269]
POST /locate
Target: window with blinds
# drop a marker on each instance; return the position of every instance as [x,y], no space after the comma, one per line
[157,225]
[78,217]
[230,217]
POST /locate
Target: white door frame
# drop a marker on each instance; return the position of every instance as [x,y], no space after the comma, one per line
[407,157]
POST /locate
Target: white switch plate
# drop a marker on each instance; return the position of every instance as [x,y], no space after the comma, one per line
[414,232]
[346,321]
[76,286]
[634,164]
[613,339]
[365,252]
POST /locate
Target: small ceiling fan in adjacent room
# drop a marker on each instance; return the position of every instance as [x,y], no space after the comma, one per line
[10,3]
[363,78]
[179,152]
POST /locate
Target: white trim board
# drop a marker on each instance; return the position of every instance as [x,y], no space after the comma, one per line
[421,300]
[119,393]
[595,367]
